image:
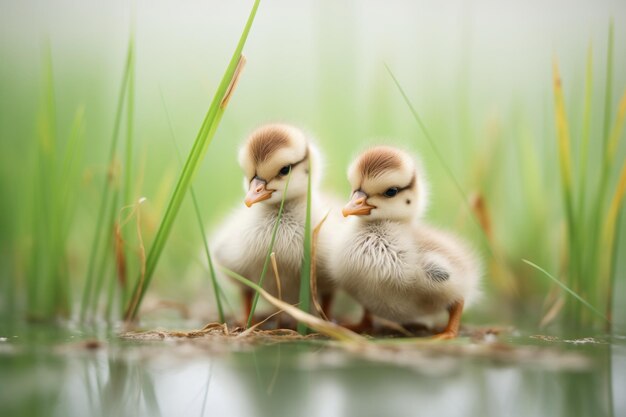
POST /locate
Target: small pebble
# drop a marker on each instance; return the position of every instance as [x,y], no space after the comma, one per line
[3,339]
[92,344]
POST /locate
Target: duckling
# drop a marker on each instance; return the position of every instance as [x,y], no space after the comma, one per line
[386,258]
[268,156]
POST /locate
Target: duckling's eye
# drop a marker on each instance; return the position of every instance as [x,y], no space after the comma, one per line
[284,170]
[391,192]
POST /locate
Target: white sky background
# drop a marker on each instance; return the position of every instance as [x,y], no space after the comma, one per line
[505,43]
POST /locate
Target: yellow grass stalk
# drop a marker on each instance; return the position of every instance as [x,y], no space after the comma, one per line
[562,130]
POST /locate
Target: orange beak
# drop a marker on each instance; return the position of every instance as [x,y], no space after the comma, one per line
[257,192]
[358,205]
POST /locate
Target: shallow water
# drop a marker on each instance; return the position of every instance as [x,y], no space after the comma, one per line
[51,371]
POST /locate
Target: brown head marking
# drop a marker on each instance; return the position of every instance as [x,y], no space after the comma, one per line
[376,161]
[267,140]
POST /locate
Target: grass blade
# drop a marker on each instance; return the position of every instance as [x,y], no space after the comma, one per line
[616,131]
[128,168]
[327,328]
[612,271]
[600,198]
[611,222]
[305,272]
[270,249]
[563,142]
[584,145]
[608,87]
[610,232]
[566,289]
[314,293]
[204,137]
[510,284]
[432,144]
[107,249]
[565,167]
[216,287]
[106,191]
[436,151]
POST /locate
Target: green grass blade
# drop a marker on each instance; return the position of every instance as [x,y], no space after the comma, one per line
[608,86]
[106,191]
[47,287]
[607,163]
[612,272]
[216,287]
[65,206]
[566,289]
[584,144]
[128,169]
[270,249]
[305,273]
[203,139]
[430,140]
[565,165]
[130,106]
[106,250]
[608,98]
[69,170]
[611,239]
[444,164]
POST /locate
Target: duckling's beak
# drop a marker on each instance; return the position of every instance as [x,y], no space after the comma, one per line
[358,205]
[257,192]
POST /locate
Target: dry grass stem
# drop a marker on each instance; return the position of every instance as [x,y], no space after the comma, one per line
[314,295]
[233,83]
[276,276]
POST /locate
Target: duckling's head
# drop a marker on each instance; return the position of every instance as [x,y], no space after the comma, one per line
[267,157]
[387,184]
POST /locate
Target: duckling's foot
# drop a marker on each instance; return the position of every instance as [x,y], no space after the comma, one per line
[445,335]
[454,321]
[365,325]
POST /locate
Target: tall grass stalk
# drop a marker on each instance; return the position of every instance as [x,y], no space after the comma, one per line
[608,87]
[42,280]
[591,265]
[101,226]
[128,170]
[503,280]
[217,290]
[106,253]
[611,226]
[606,166]
[305,272]
[270,249]
[567,289]
[584,143]
[48,289]
[204,137]
[565,167]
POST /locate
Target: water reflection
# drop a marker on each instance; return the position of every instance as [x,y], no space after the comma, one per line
[163,379]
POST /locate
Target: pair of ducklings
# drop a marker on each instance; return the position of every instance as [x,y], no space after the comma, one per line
[380,252]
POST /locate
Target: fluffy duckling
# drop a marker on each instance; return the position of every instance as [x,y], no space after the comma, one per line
[267,157]
[397,267]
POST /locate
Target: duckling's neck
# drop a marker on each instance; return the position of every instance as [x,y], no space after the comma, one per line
[377,223]
[293,205]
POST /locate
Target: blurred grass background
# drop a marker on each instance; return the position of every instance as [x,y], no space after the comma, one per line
[478,72]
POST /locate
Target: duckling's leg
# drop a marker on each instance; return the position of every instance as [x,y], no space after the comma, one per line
[364,325]
[454,321]
[248,295]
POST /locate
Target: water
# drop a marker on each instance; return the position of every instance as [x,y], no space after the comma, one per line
[46,370]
